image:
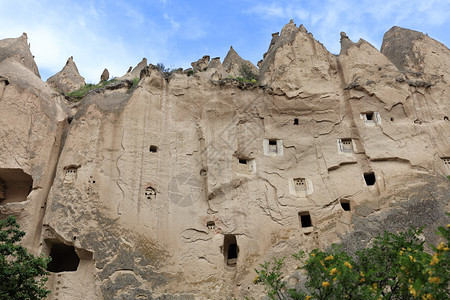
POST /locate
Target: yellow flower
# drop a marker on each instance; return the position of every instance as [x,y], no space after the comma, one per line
[348,265]
[330,257]
[441,246]
[308,297]
[427,297]
[333,271]
[298,267]
[255,281]
[412,291]
[401,252]
[410,257]
[446,249]
[434,260]
[325,284]
[362,279]
[313,254]
[374,286]
[321,262]
[335,278]
[436,280]
[448,225]
[361,273]
[410,281]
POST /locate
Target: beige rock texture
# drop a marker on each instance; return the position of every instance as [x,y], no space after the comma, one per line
[18,49]
[179,187]
[105,75]
[68,79]
[233,62]
[136,71]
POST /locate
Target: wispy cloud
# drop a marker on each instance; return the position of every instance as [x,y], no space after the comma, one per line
[118,33]
[363,18]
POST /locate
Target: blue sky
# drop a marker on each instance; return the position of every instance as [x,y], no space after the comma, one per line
[117,34]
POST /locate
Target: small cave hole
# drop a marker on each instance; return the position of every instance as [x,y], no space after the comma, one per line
[15,185]
[369,178]
[69,120]
[369,116]
[295,121]
[74,238]
[392,119]
[211,225]
[242,161]
[64,259]
[345,204]
[305,219]
[153,149]
[203,172]
[150,193]
[445,118]
[231,250]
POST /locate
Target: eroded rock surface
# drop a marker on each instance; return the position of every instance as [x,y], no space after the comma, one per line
[68,79]
[178,188]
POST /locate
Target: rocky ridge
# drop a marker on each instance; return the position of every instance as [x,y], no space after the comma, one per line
[178,187]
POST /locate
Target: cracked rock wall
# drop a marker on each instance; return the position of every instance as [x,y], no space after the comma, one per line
[178,188]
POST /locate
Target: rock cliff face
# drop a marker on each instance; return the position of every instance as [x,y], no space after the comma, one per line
[179,187]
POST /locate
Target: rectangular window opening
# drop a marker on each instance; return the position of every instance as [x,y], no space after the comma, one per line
[305,219]
[242,161]
[369,178]
[300,184]
[345,204]
[153,149]
[346,145]
[231,250]
[369,116]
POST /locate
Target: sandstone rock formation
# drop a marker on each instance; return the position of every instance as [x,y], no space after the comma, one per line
[19,50]
[68,79]
[105,75]
[178,188]
[136,71]
[233,62]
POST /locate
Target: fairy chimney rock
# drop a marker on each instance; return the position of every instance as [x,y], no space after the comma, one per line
[105,75]
[68,79]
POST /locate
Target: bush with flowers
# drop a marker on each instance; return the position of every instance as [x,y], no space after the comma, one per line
[395,266]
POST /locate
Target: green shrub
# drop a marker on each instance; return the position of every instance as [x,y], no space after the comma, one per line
[165,71]
[135,82]
[394,267]
[79,94]
[247,73]
[22,276]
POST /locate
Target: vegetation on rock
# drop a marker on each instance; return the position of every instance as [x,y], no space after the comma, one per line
[84,90]
[394,267]
[247,74]
[22,276]
[164,70]
[79,94]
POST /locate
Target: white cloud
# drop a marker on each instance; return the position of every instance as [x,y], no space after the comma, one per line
[368,18]
[174,24]
[268,11]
